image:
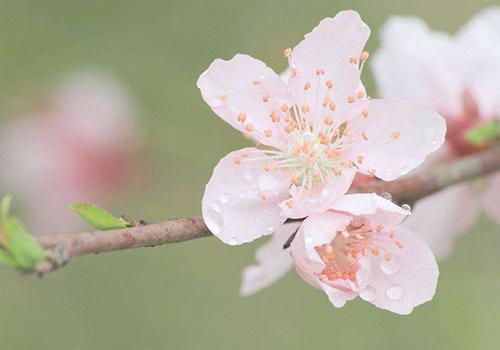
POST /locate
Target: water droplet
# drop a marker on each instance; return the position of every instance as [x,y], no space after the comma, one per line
[215,207]
[224,198]
[390,267]
[233,241]
[213,224]
[267,182]
[271,229]
[395,292]
[406,207]
[367,294]
[387,195]
[249,175]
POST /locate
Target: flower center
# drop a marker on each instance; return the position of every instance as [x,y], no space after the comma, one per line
[341,255]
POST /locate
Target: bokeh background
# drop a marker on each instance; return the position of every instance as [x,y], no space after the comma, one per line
[185,296]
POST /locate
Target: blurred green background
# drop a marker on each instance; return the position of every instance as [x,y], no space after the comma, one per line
[185,296]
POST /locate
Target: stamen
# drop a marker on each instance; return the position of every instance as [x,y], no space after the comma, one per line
[288,52]
[329,84]
[364,112]
[351,99]
[328,121]
[249,127]
[395,135]
[237,160]
[307,86]
[265,98]
[268,133]
[364,56]
[242,117]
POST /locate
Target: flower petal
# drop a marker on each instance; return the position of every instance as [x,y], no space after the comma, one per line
[306,202]
[377,209]
[241,201]
[273,262]
[407,280]
[316,230]
[418,64]
[490,197]
[321,65]
[395,137]
[244,92]
[442,217]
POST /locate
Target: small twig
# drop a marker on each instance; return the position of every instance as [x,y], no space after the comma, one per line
[404,190]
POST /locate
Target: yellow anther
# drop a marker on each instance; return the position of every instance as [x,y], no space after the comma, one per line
[249,127]
[268,133]
[364,56]
[329,84]
[395,134]
[242,117]
[351,99]
[328,121]
[364,112]
[265,98]
[288,52]
[304,108]
[307,86]
[237,160]
[360,94]
[364,135]
[284,108]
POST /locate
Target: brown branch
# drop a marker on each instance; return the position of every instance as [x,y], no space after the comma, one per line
[66,246]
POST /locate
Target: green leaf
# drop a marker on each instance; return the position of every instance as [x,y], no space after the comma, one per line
[23,248]
[484,133]
[98,217]
[5,207]
[18,247]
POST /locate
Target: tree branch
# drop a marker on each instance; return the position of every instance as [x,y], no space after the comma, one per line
[65,246]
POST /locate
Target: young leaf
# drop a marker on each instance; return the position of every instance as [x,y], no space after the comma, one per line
[23,249]
[18,249]
[98,217]
[484,133]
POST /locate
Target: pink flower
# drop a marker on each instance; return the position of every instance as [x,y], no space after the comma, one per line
[316,131]
[273,261]
[359,249]
[78,147]
[460,77]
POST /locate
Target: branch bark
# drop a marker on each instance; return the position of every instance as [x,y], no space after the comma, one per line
[66,246]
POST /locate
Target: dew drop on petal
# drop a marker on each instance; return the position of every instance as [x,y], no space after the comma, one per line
[233,241]
[249,175]
[367,294]
[406,207]
[390,267]
[224,198]
[268,183]
[395,292]
[213,223]
[216,207]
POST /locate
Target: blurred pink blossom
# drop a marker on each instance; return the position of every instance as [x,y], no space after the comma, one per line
[318,129]
[460,77]
[79,147]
